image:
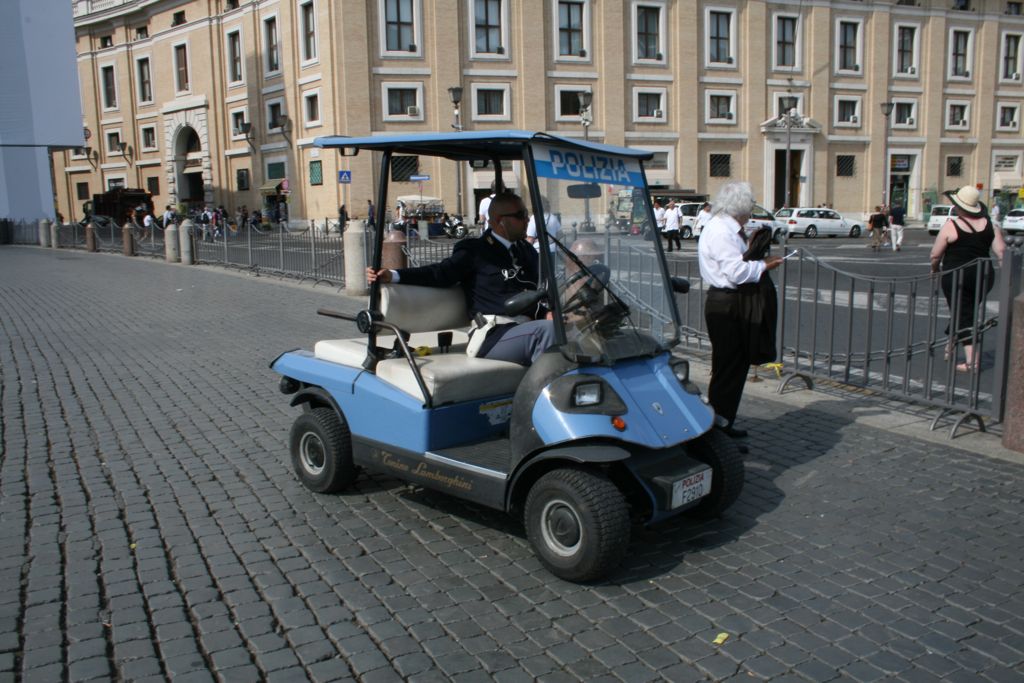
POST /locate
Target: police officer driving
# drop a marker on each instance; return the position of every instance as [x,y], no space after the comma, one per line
[490,269]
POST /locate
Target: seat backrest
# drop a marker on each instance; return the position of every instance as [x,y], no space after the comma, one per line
[424,309]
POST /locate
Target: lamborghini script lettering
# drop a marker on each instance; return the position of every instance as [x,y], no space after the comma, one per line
[422,471]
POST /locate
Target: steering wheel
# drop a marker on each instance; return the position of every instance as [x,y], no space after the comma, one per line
[597,277]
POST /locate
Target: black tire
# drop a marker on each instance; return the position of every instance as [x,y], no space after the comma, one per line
[727,473]
[321,446]
[855,231]
[687,232]
[578,523]
[811,231]
[776,236]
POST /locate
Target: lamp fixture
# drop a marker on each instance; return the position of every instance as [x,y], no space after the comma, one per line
[245,128]
[126,151]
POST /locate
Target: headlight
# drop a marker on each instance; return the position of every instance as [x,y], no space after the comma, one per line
[681,369]
[588,394]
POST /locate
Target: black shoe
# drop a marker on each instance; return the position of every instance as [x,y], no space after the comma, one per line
[734,432]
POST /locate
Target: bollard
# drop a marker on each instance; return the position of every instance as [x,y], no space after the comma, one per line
[1013,427]
[355,260]
[127,240]
[55,234]
[90,237]
[391,254]
[185,241]
[171,246]
[44,233]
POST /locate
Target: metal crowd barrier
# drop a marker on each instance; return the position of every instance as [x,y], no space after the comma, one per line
[307,255]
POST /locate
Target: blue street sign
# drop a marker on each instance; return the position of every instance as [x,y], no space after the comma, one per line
[419,178]
[344,177]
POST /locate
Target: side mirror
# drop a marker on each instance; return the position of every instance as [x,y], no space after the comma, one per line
[680,285]
[524,301]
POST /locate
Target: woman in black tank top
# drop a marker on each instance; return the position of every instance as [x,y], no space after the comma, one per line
[960,249]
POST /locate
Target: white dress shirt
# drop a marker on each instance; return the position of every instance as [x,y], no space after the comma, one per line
[671,219]
[659,217]
[720,253]
[551,226]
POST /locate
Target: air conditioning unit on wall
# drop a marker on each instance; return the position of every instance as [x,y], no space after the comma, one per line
[910,121]
[659,114]
[412,111]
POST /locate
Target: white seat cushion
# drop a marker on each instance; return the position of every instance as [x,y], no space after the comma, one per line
[453,377]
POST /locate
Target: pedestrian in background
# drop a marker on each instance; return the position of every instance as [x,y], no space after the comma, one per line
[730,328]
[962,241]
[671,229]
[897,219]
[994,214]
[342,218]
[876,223]
[703,216]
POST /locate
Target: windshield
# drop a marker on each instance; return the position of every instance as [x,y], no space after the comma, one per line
[941,210]
[613,295]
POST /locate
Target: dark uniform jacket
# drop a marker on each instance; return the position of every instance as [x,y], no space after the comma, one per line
[487,271]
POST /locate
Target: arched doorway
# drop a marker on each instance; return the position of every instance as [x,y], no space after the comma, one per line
[188,167]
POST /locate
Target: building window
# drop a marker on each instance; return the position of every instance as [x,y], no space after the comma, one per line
[115,183]
[954,167]
[848,44]
[401,101]
[720,107]
[242,179]
[230,4]
[153,184]
[1005,163]
[404,167]
[845,165]
[270,44]
[148,138]
[959,55]
[276,170]
[1011,57]
[787,103]
[487,27]
[648,105]
[312,113]
[719,37]
[145,80]
[490,102]
[181,68]
[308,24]
[568,101]
[906,37]
[847,112]
[1008,116]
[178,18]
[570,29]
[114,142]
[141,32]
[316,172]
[237,119]
[957,114]
[109,87]
[719,165]
[648,33]
[83,190]
[274,112]
[106,41]
[785,42]
[903,114]
[235,57]
[1013,8]
[399,26]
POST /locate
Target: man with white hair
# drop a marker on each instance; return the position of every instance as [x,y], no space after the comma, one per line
[729,278]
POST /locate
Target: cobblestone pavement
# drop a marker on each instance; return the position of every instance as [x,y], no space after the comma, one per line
[151,527]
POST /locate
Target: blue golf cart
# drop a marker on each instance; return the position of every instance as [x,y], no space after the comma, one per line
[603,432]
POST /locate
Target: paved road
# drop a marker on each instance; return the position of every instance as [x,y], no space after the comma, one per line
[150,526]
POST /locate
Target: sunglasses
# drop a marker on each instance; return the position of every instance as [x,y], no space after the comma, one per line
[521,214]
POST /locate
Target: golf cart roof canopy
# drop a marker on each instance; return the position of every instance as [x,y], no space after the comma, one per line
[466,146]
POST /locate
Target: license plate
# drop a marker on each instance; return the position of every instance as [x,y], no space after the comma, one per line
[691,488]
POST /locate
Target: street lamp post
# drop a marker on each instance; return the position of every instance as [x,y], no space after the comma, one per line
[455,94]
[886,108]
[586,99]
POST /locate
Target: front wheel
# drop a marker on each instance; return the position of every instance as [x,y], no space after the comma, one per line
[855,231]
[578,523]
[321,446]
[687,232]
[727,473]
[811,231]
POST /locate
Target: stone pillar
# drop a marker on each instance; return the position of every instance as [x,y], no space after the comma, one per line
[127,240]
[355,262]
[172,250]
[44,233]
[392,255]
[90,237]
[55,234]
[185,241]
[1013,427]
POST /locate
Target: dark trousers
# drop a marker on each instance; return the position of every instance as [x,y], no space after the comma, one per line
[672,236]
[728,333]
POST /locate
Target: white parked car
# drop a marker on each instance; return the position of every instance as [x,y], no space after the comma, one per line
[939,215]
[811,222]
[1013,223]
[763,218]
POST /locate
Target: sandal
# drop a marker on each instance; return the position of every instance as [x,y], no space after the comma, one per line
[964,367]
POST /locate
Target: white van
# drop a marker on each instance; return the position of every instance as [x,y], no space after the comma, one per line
[940,214]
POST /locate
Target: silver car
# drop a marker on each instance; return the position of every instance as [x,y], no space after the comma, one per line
[811,222]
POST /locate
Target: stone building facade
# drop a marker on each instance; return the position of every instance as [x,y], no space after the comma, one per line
[218,101]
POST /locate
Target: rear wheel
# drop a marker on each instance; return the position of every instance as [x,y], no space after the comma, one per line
[811,231]
[727,472]
[687,232]
[321,448]
[855,231]
[578,523]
